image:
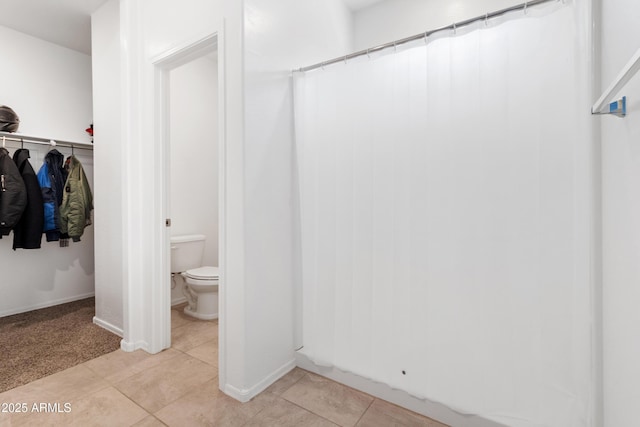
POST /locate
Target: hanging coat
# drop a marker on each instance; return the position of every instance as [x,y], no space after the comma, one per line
[77,201]
[13,195]
[51,178]
[27,234]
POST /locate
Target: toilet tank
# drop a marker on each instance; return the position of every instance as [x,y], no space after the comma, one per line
[186,252]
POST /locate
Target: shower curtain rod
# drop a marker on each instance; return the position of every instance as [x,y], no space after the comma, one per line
[17,137]
[486,16]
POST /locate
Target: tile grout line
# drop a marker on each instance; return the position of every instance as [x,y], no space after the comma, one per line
[135,403]
[280,396]
[373,399]
[309,410]
[185,352]
[296,382]
[155,418]
[365,411]
[112,385]
[152,367]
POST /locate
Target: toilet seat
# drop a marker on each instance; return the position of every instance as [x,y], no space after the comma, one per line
[203,273]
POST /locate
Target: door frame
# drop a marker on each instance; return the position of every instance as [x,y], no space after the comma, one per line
[160,337]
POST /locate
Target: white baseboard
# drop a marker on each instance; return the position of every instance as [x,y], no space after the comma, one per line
[178,301]
[246,395]
[436,411]
[45,304]
[129,346]
[108,326]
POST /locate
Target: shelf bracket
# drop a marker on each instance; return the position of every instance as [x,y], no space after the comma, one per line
[627,73]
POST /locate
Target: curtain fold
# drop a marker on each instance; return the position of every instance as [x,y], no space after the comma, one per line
[439,194]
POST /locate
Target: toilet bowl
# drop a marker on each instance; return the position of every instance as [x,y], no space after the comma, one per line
[201,282]
[201,291]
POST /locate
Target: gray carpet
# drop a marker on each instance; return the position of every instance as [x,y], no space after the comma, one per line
[42,342]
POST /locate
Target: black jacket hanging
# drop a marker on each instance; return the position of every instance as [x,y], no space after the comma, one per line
[13,195]
[27,234]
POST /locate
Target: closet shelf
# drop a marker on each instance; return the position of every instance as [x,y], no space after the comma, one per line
[31,139]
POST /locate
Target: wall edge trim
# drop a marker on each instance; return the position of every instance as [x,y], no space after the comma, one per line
[46,304]
[131,346]
[108,326]
[245,395]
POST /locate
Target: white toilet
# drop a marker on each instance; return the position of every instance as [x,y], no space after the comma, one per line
[201,283]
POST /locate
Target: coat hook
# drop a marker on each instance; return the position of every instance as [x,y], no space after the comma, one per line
[52,143]
[4,140]
[525,7]
[368,54]
[454,28]
[426,34]
[486,19]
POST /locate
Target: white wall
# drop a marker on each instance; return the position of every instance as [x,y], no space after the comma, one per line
[280,35]
[257,277]
[395,19]
[49,87]
[621,220]
[110,248]
[194,157]
[128,37]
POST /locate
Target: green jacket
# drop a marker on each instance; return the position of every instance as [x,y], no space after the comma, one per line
[77,201]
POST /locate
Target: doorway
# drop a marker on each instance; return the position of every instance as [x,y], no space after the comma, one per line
[187,138]
[193,171]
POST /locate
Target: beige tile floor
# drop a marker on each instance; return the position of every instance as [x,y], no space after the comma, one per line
[178,387]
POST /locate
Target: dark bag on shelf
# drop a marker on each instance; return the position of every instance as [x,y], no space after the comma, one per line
[9,120]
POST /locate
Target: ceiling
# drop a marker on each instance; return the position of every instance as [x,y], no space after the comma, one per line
[63,22]
[360,4]
[68,22]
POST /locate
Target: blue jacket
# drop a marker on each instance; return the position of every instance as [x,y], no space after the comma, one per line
[51,178]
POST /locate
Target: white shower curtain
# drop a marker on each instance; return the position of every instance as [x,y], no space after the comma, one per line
[444,208]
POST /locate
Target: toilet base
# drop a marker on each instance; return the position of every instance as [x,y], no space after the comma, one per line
[202,296]
[193,313]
